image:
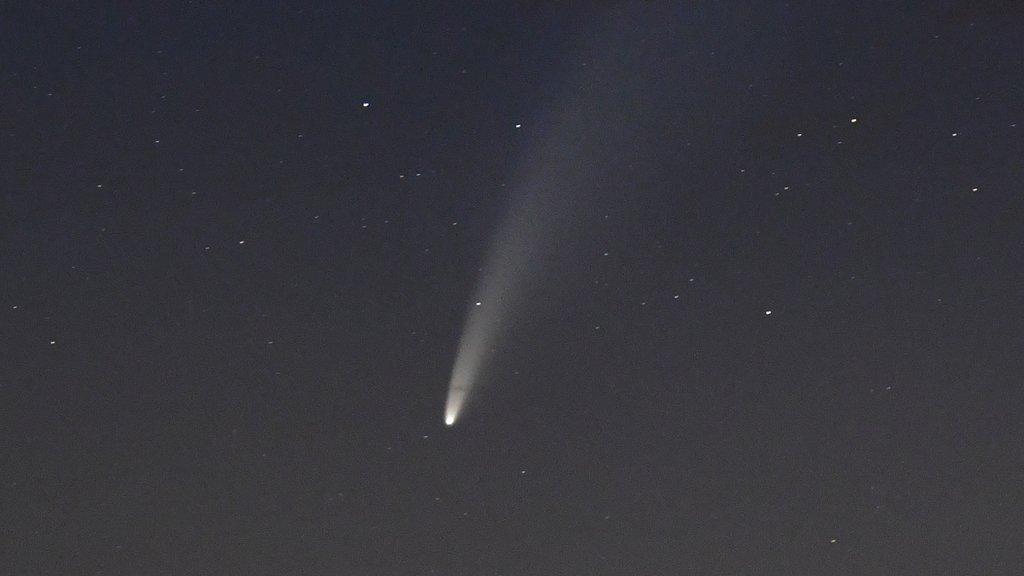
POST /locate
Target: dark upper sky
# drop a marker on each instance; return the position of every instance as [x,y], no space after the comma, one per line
[237,244]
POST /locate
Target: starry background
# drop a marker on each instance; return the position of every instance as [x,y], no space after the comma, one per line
[237,244]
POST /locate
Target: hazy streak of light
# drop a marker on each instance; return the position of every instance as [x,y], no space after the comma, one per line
[588,135]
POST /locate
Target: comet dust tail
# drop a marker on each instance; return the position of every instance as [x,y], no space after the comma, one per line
[560,191]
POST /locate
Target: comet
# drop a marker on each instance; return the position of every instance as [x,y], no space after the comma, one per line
[557,193]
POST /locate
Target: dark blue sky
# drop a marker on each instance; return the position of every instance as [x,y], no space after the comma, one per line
[237,244]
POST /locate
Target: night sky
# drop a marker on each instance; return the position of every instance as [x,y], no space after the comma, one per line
[774,322]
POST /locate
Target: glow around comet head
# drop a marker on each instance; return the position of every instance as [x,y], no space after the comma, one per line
[456,399]
[479,332]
